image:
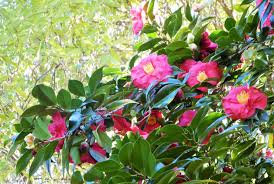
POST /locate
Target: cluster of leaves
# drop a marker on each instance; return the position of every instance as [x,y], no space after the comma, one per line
[171,153]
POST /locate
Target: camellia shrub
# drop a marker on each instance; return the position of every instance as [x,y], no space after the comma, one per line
[194,108]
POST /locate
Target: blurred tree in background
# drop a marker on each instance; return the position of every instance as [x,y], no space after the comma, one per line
[51,41]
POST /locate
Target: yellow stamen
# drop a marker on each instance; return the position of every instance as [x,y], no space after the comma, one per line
[243,97]
[148,68]
[202,76]
[151,120]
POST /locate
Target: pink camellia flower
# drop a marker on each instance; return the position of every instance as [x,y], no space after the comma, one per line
[152,122]
[186,118]
[186,65]
[201,72]
[138,16]
[122,126]
[58,129]
[152,68]
[206,46]
[241,102]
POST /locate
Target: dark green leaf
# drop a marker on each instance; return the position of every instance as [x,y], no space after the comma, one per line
[76,87]
[150,9]
[23,161]
[44,94]
[149,44]
[119,104]
[176,45]
[165,95]
[50,149]
[95,79]
[103,140]
[37,162]
[34,110]
[125,153]
[229,23]
[75,154]
[188,13]
[77,178]
[64,99]
[149,29]
[246,2]
[132,61]
[108,166]
[93,174]
[41,130]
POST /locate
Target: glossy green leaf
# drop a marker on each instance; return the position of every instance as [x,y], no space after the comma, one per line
[95,80]
[76,87]
[119,104]
[37,161]
[64,98]
[44,94]
[149,44]
[41,130]
[108,166]
[77,178]
[103,140]
[23,161]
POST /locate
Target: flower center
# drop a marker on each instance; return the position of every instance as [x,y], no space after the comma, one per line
[202,76]
[151,120]
[148,68]
[243,97]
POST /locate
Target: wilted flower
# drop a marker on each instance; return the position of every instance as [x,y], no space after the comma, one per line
[29,139]
[203,71]
[152,68]
[241,102]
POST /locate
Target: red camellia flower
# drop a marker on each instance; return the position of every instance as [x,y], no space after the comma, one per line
[186,117]
[122,126]
[206,46]
[58,129]
[85,157]
[201,72]
[152,68]
[152,122]
[241,102]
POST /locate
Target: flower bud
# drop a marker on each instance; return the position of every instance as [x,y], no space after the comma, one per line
[193,46]
[190,38]
[29,139]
